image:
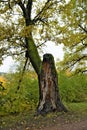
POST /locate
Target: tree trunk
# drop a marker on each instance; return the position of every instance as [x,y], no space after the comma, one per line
[33,54]
[49,99]
[48,81]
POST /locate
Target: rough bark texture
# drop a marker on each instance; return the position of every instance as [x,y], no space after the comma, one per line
[49,99]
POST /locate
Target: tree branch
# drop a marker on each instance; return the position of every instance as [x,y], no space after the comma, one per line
[29,8]
[3,1]
[82,28]
[47,6]
[79,59]
[75,44]
[84,71]
[41,44]
[21,78]
[37,17]
[22,7]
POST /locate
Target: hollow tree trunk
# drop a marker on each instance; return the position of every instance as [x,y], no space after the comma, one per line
[49,99]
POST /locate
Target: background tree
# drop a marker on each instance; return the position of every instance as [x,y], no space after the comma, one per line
[74,35]
[27,25]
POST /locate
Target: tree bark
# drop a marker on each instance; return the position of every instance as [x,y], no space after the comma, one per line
[49,99]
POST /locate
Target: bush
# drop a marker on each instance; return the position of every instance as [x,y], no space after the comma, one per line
[73,89]
[25,98]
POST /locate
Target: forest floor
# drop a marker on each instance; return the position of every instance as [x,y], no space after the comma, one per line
[75,119]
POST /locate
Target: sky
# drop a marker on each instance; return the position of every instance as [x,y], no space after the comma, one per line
[56,51]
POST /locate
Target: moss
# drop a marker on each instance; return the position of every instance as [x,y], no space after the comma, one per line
[33,55]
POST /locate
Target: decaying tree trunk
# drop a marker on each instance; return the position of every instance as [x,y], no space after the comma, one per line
[49,99]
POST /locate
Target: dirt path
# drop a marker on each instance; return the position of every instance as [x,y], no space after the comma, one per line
[81,125]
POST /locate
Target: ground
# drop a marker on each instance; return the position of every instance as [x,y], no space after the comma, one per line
[74,119]
[80,125]
[55,121]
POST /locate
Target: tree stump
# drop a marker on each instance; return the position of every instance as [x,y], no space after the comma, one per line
[49,99]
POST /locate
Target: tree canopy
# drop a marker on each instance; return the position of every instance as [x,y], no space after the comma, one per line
[48,20]
[74,17]
[43,21]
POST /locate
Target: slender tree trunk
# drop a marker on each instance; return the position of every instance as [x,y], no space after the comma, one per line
[49,99]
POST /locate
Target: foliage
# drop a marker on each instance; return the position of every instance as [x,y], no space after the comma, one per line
[73,88]
[15,101]
[74,35]
[42,18]
[57,21]
[2,82]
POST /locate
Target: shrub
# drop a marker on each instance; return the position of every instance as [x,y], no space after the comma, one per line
[73,88]
[25,98]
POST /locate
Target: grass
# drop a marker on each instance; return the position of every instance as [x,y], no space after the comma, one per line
[81,106]
[77,111]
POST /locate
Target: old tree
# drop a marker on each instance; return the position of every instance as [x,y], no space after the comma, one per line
[27,24]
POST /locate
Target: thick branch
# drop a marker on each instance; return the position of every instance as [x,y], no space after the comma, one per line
[29,8]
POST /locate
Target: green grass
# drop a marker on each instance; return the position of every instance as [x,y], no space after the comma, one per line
[77,107]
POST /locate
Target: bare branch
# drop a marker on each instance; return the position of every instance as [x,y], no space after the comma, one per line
[41,44]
